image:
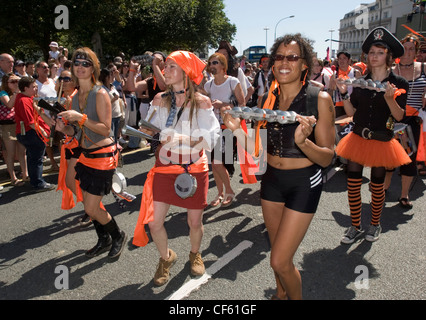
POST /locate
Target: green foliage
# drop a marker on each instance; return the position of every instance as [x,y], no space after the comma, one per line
[131,26]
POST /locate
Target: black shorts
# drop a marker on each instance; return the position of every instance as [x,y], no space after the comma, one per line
[299,189]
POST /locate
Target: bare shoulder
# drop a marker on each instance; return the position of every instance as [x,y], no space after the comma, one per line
[157,99]
[325,105]
[103,94]
[204,102]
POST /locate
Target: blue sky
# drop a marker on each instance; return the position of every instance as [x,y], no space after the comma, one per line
[312,18]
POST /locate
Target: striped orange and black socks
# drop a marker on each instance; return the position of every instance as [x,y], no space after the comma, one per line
[354,197]
[377,202]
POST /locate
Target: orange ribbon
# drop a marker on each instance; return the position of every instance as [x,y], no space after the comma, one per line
[146,212]
[398,92]
[269,104]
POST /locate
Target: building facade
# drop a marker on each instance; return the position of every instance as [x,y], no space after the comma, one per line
[356,25]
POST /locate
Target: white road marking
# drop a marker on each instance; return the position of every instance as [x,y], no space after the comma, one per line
[194,284]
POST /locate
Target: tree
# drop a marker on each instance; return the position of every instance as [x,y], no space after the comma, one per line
[131,26]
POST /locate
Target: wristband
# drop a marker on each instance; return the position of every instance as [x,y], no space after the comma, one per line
[133,70]
[83,120]
[346,96]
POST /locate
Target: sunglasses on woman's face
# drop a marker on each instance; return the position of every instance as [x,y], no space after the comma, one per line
[13,81]
[290,57]
[84,63]
[215,63]
[65,79]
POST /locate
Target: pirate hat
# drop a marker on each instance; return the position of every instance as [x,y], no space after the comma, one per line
[381,35]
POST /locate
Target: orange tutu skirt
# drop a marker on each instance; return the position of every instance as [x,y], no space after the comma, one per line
[372,153]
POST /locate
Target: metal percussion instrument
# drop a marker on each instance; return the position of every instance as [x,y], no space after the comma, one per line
[119,186]
[185,185]
[283,117]
[51,99]
[363,84]
[149,126]
[129,131]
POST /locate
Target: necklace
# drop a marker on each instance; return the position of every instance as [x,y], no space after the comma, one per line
[406,65]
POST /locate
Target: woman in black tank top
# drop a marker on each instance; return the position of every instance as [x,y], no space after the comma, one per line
[292,184]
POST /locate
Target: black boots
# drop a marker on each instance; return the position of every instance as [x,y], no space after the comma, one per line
[104,241]
[110,237]
[118,239]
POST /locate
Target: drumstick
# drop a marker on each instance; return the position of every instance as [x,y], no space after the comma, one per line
[152,114]
[60,92]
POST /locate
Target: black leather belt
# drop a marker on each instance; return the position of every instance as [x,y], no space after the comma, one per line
[88,153]
[373,135]
[100,155]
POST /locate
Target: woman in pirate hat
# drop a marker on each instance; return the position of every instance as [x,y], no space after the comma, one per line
[372,143]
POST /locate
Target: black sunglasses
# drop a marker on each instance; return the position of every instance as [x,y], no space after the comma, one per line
[85,64]
[65,79]
[290,57]
[214,63]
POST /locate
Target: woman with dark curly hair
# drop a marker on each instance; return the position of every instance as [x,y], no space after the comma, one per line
[292,184]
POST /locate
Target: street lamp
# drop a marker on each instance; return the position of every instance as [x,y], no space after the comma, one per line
[266,29]
[331,43]
[275,35]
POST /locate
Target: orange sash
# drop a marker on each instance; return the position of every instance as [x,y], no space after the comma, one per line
[109,163]
[247,165]
[67,195]
[421,148]
[410,111]
[146,212]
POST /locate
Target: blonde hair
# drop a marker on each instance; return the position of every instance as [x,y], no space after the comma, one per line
[222,59]
[87,54]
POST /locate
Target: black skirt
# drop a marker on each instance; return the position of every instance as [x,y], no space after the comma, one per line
[94,181]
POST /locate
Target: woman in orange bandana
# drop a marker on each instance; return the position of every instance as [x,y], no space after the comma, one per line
[188,126]
[90,118]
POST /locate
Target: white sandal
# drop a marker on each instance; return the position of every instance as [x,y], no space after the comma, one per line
[228,195]
[217,201]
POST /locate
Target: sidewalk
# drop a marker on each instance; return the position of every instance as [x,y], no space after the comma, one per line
[5,179]
[4,176]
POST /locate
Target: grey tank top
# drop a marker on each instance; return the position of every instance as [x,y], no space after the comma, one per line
[90,137]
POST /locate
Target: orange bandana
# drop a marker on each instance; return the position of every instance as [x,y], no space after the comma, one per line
[190,64]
